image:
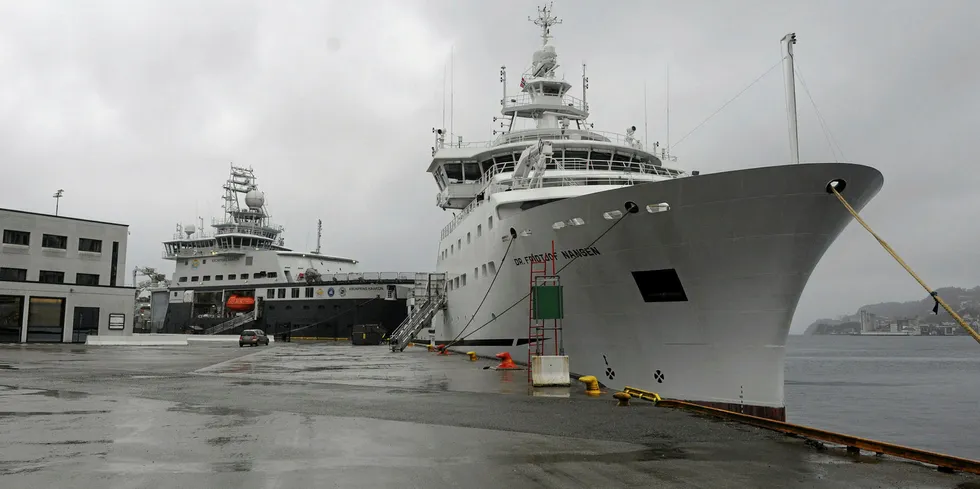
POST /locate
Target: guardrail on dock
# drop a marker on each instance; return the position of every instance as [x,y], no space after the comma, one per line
[854,444]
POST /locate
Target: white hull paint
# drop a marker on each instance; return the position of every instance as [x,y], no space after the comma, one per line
[743,244]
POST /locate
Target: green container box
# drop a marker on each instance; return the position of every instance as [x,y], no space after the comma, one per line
[548,303]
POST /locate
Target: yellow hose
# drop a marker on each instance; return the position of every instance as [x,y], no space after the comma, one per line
[901,262]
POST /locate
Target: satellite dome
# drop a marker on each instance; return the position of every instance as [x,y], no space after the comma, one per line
[190,229]
[254,199]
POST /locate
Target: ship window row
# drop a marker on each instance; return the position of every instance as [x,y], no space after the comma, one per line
[47,276]
[488,269]
[231,276]
[458,246]
[50,241]
[294,293]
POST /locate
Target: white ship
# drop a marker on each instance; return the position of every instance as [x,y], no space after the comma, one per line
[676,282]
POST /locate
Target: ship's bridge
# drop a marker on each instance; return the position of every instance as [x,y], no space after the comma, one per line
[463,173]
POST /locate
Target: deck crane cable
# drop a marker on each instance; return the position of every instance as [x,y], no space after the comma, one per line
[739,94]
[939,300]
[630,210]
[503,259]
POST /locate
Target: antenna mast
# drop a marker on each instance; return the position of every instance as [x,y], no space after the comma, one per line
[646,124]
[667,147]
[319,234]
[788,74]
[452,92]
[545,20]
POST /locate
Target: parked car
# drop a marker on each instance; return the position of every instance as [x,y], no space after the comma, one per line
[254,337]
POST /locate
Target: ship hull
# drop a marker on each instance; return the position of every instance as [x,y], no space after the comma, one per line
[694,303]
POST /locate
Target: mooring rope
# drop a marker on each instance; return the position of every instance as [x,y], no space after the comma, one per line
[939,300]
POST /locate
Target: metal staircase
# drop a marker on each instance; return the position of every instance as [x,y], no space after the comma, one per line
[233,323]
[432,289]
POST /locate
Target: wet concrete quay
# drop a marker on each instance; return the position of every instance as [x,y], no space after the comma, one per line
[335,415]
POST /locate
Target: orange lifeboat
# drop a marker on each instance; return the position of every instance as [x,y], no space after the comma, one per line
[240,303]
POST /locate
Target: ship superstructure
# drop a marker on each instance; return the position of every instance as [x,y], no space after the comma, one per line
[676,282]
[242,275]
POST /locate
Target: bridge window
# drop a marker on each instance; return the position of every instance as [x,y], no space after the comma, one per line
[282,293]
[182,279]
[471,171]
[219,277]
[294,293]
[309,292]
[194,278]
[231,276]
[270,294]
[244,276]
[454,172]
[207,278]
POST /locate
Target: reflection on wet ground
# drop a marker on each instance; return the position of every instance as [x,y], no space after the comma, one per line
[341,416]
[414,369]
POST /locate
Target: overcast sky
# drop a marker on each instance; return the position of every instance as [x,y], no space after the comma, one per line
[136,109]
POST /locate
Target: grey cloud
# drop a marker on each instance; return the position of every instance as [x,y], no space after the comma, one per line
[136,109]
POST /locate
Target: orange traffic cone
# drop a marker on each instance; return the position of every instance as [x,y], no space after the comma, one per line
[506,362]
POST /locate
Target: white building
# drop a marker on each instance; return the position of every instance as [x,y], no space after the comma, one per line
[62,279]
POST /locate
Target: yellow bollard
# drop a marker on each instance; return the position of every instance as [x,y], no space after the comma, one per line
[472,355]
[591,385]
[430,348]
[623,398]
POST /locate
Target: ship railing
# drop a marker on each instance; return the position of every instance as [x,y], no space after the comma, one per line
[523,99]
[211,251]
[368,277]
[496,178]
[551,134]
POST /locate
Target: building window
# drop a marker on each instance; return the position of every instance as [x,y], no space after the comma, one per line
[476,272]
[86,279]
[294,293]
[219,277]
[479,230]
[489,223]
[309,292]
[272,275]
[16,237]
[467,238]
[248,261]
[54,241]
[270,294]
[11,318]
[90,245]
[459,244]
[114,266]
[483,268]
[231,276]
[462,281]
[491,268]
[45,320]
[452,249]
[182,279]
[195,278]
[13,274]
[206,278]
[282,293]
[244,276]
[51,277]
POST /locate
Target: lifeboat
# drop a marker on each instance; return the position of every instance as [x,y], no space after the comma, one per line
[240,303]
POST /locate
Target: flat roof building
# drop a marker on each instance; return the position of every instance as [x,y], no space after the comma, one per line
[62,279]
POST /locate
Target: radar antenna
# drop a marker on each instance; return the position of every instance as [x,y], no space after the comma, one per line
[545,20]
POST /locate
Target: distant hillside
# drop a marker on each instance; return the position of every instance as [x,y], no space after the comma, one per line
[966,303]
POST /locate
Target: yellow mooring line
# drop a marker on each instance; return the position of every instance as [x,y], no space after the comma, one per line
[939,300]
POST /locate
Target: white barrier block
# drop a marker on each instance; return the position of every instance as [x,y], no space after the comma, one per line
[548,371]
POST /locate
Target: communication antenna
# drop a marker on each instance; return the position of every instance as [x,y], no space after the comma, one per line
[319,234]
[452,91]
[646,124]
[57,199]
[667,148]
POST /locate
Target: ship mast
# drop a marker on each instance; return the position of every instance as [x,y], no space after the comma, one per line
[788,74]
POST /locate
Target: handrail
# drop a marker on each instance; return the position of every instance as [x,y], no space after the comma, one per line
[524,98]
[488,184]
